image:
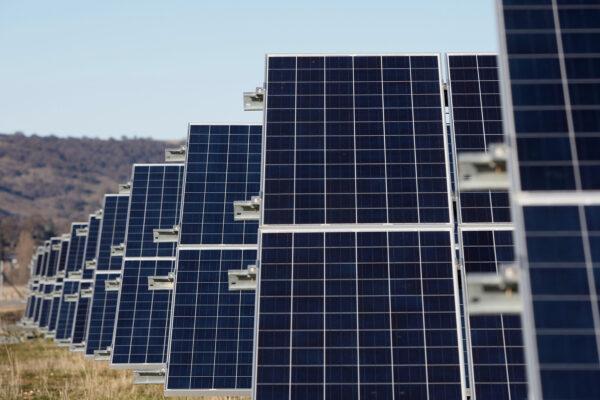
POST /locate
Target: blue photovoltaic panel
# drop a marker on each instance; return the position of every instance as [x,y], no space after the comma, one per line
[76,248]
[66,312]
[62,261]
[496,340]
[367,310]
[155,203]
[550,54]
[39,262]
[41,287]
[60,268]
[357,315]
[31,306]
[477,123]
[102,314]
[212,327]
[81,313]
[89,253]
[557,131]
[562,248]
[211,336]
[142,320]
[142,315]
[354,139]
[45,257]
[222,166]
[114,223]
[57,293]
[46,306]
[91,244]
[104,304]
[53,258]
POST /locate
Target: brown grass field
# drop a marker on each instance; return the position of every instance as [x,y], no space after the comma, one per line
[37,369]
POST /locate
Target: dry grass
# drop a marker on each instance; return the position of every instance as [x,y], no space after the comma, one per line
[37,369]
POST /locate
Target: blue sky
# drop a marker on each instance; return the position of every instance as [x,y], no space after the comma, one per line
[127,67]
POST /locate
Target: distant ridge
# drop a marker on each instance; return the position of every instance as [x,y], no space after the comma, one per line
[60,180]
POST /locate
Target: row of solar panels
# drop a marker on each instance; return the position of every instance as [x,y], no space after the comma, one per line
[364,241]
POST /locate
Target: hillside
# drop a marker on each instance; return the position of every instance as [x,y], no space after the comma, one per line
[47,182]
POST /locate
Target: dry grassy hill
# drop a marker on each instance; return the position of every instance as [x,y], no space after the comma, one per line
[47,182]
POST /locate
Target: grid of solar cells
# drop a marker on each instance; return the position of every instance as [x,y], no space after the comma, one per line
[140,336]
[155,203]
[550,51]
[89,253]
[46,306]
[476,124]
[56,295]
[496,340]
[101,321]
[40,300]
[38,303]
[53,258]
[212,327]
[114,223]
[366,310]
[142,320]
[91,244]
[45,259]
[81,313]
[354,139]
[222,166]
[554,75]
[62,261]
[66,312]
[103,307]
[29,307]
[76,248]
[357,315]
[30,311]
[39,262]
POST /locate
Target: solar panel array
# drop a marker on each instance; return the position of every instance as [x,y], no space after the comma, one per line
[550,58]
[360,308]
[366,236]
[497,367]
[210,349]
[140,335]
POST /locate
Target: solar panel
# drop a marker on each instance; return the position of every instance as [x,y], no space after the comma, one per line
[50,278]
[498,356]
[496,362]
[57,293]
[41,287]
[83,304]
[74,263]
[31,302]
[366,306]
[101,320]
[476,124]
[210,349]
[222,166]
[104,303]
[66,312]
[550,60]
[140,334]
